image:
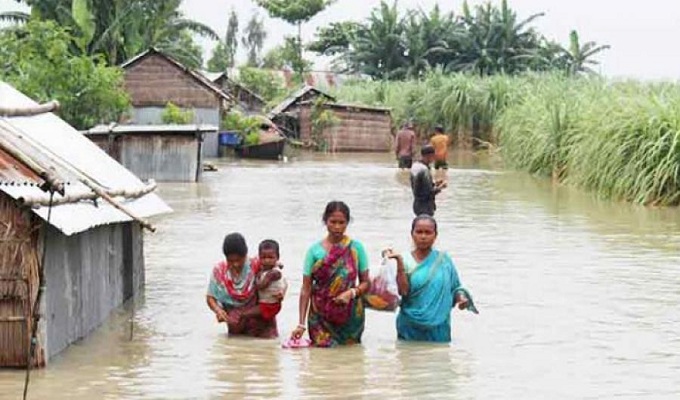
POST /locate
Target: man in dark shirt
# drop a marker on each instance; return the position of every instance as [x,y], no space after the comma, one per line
[422,184]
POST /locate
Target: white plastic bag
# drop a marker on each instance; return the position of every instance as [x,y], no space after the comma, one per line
[384,292]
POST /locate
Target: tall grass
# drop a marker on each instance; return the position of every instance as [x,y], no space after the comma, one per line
[619,139]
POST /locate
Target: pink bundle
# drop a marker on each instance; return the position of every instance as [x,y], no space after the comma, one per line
[301,343]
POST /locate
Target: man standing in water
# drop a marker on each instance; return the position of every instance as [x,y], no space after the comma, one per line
[406,144]
[423,186]
[440,142]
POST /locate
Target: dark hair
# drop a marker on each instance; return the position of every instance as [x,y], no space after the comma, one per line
[334,206]
[269,244]
[427,150]
[439,129]
[424,217]
[235,243]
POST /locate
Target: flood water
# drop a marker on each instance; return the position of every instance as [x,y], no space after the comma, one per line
[579,298]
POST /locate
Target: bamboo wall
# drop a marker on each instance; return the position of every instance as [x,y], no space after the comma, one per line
[18,283]
[357,130]
[154,81]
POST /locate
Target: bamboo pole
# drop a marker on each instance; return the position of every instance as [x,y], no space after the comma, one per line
[45,174]
[30,111]
[101,193]
[127,194]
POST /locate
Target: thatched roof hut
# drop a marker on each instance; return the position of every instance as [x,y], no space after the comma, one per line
[62,195]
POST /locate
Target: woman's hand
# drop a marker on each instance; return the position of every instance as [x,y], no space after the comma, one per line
[390,253]
[462,301]
[279,295]
[298,332]
[221,315]
[344,297]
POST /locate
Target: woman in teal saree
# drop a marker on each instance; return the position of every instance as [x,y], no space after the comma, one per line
[429,285]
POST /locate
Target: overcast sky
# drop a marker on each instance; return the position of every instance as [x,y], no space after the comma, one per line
[642,34]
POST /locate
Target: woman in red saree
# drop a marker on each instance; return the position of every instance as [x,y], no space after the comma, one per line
[232,294]
[334,279]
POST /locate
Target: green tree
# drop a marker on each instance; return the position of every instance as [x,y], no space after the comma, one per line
[184,49]
[36,59]
[578,57]
[429,40]
[285,56]
[335,40]
[253,40]
[224,54]
[496,40]
[295,12]
[120,29]
[269,87]
[378,48]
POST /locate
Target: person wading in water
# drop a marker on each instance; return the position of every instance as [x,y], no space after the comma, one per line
[406,145]
[424,187]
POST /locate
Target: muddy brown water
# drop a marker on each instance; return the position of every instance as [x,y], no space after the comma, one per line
[579,298]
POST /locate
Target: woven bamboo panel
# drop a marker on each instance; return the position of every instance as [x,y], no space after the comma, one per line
[18,283]
[154,81]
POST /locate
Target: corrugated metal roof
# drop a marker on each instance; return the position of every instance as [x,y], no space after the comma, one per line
[12,172]
[54,145]
[285,104]
[115,128]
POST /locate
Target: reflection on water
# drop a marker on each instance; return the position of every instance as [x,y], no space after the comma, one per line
[578,297]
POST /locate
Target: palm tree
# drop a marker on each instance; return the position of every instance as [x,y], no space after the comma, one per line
[496,40]
[119,29]
[578,57]
[253,39]
[378,47]
[428,41]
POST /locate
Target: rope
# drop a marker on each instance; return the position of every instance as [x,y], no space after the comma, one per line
[36,306]
[132,316]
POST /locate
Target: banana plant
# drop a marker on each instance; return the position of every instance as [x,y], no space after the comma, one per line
[579,57]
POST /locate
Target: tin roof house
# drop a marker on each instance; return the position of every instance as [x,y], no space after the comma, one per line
[63,201]
[153,79]
[164,153]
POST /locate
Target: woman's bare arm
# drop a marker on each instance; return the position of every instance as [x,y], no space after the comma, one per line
[402,278]
[305,296]
[364,283]
[220,312]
